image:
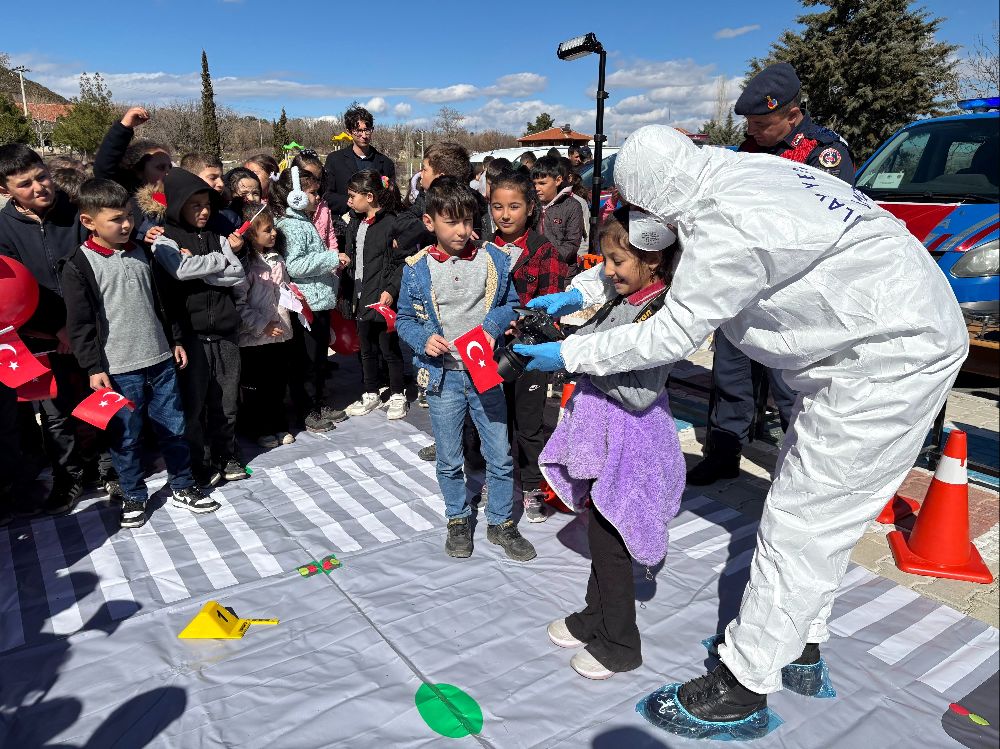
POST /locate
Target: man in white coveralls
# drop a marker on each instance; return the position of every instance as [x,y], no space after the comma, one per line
[808,276]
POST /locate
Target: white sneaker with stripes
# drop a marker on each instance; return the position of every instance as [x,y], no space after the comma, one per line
[194,499]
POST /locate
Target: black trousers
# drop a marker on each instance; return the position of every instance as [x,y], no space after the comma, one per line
[607,624]
[69,443]
[10,441]
[311,365]
[375,339]
[736,381]
[264,380]
[525,423]
[210,390]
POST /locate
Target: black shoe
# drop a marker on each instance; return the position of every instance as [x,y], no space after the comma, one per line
[114,489]
[509,538]
[207,477]
[714,468]
[719,698]
[429,453]
[194,499]
[63,497]
[133,514]
[234,470]
[333,415]
[315,422]
[459,543]
[810,655]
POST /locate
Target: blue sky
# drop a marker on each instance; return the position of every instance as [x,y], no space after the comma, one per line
[493,62]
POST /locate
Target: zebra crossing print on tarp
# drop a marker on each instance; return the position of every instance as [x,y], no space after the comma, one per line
[92,656]
[58,573]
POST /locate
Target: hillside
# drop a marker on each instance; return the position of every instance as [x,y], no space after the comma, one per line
[35,92]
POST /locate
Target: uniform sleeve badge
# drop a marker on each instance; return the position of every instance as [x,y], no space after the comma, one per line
[771,102]
[797,139]
[829,158]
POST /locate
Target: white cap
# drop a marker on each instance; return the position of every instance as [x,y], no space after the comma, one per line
[646,232]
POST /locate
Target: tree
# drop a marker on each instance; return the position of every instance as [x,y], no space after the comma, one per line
[14,126]
[982,67]
[867,67]
[84,127]
[280,137]
[725,133]
[449,122]
[212,144]
[542,122]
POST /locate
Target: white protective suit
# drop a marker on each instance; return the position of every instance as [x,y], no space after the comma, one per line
[807,276]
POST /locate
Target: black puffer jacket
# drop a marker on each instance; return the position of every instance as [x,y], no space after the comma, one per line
[199,308]
[382,269]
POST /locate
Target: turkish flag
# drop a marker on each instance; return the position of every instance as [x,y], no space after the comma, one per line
[17,365]
[477,353]
[41,388]
[387,312]
[306,315]
[98,407]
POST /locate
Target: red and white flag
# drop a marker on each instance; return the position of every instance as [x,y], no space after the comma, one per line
[387,312]
[41,388]
[17,364]
[305,314]
[98,407]
[477,353]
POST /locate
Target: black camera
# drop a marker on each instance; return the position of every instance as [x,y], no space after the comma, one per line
[533,326]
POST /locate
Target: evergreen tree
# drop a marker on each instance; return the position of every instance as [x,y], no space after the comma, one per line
[726,133]
[280,135]
[14,126]
[210,125]
[867,67]
[542,122]
[84,127]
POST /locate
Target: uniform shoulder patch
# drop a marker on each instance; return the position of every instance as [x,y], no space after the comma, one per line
[830,158]
[414,259]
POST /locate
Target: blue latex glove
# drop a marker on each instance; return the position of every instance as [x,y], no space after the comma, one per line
[559,304]
[545,357]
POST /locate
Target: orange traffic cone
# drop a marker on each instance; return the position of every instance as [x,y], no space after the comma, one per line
[897,508]
[939,544]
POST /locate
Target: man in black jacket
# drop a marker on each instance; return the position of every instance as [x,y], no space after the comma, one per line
[39,227]
[343,164]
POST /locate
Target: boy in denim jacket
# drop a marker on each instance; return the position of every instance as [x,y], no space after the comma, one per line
[448,289]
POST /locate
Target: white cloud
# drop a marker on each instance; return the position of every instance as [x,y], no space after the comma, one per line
[729,33]
[376,105]
[658,73]
[402,109]
[458,92]
[513,85]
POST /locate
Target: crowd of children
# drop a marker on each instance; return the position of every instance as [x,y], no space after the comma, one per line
[205,298]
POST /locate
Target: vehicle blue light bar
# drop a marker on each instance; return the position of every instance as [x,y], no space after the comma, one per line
[982,105]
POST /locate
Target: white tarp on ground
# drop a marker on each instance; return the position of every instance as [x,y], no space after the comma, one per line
[89,617]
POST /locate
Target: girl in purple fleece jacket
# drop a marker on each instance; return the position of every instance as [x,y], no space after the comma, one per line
[617,445]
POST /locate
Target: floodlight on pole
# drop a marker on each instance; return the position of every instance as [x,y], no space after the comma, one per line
[574,49]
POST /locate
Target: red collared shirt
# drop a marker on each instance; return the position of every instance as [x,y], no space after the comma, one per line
[103,251]
[643,296]
[468,253]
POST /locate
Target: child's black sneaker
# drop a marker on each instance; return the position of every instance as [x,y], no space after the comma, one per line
[509,538]
[459,543]
[207,477]
[114,489]
[194,499]
[429,453]
[234,470]
[315,422]
[333,415]
[133,514]
[63,497]
[719,698]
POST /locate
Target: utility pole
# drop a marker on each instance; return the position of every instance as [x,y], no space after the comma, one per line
[21,70]
[260,132]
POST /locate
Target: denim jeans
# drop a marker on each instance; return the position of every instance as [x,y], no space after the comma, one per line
[489,414]
[155,394]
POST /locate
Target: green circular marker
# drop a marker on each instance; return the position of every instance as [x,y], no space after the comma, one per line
[448,710]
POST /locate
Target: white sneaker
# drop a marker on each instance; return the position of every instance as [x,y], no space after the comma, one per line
[559,634]
[398,406]
[589,667]
[286,438]
[368,403]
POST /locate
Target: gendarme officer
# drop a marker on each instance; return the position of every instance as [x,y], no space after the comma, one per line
[776,124]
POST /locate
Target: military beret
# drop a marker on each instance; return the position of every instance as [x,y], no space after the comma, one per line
[771,88]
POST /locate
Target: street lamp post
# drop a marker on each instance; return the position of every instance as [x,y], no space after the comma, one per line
[573,49]
[21,70]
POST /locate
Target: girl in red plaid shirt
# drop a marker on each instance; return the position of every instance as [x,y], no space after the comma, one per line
[537,271]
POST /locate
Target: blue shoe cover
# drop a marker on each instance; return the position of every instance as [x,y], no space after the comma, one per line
[811,680]
[664,710]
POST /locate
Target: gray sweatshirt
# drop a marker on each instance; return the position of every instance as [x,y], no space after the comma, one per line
[636,390]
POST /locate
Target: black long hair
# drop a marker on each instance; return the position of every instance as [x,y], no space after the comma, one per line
[512,179]
[383,189]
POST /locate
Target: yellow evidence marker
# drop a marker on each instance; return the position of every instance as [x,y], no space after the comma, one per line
[214,622]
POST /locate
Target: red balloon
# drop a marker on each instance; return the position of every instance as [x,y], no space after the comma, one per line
[18,293]
[344,333]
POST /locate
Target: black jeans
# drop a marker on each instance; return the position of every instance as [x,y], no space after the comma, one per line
[311,362]
[374,337]
[210,390]
[10,441]
[264,381]
[607,624]
[525,410]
